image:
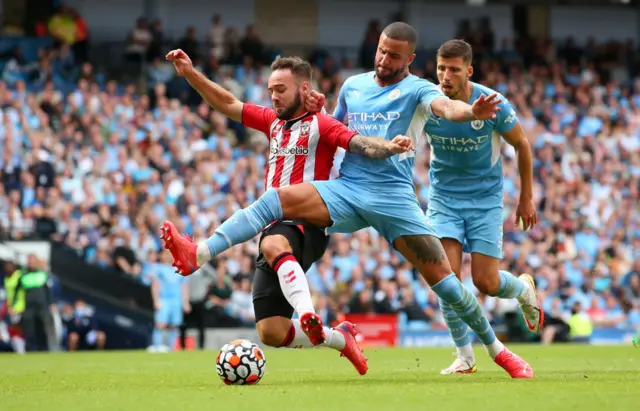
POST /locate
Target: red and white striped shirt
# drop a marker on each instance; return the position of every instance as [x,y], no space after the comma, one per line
[301,149]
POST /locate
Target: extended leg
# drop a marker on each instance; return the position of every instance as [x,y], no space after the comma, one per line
[277,247]
[484,239]
[276,329]
[427,255]
[502,284]
[465,362]
[299,202]
[450,226]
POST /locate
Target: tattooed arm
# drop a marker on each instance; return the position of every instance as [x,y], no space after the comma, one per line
[378,147]
[338,134]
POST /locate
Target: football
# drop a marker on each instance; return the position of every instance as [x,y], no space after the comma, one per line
[240,362]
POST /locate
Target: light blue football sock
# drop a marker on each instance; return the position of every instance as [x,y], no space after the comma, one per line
[457,328]
[173,337]
[245,224]
[156,337]
[510,285]
[466,305]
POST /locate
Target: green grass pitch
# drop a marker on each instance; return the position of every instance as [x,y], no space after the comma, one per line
[567,377]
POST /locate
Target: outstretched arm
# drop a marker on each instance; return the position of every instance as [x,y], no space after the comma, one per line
[378,147]
[220,99]
[217,97]
[338,134]
[484,108]
[452,110]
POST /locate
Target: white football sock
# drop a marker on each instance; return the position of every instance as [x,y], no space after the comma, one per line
[334,338]
[466,351]
[528,295]
[494,348]
[203,254]
[18,344]
[294,285]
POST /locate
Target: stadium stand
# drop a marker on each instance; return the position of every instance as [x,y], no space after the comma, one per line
[95,165]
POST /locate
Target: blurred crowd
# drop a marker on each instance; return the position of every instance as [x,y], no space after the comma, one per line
[99,165]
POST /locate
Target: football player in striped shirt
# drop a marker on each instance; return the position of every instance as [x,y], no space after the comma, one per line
[302,149]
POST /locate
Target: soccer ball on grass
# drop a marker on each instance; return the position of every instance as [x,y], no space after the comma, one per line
[240,362]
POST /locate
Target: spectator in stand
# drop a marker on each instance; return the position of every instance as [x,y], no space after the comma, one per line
[190,44]
[216,37]
[81,44]
[369,45]
[106,165]
[251,45]
[156,48]
[139,41]
[62,26]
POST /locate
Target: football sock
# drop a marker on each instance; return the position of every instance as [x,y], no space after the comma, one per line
[296,338]
[458,329]
[173,337]
[18,344]
[510,285]
[242,226]
[156,337]
[293,283]
[466,305]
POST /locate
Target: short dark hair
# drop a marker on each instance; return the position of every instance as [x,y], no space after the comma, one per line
[456,48]
[402,32]
[298,66]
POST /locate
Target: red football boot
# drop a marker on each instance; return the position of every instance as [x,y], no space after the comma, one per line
[182,248]
[352,350]
[514,365]
[311,324]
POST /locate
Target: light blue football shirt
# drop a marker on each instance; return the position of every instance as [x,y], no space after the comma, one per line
[372,110]
[465,156]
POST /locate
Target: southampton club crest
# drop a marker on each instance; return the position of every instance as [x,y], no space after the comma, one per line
[305,129]
[477,124]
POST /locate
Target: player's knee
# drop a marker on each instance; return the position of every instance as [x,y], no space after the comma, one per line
[271,336]
[487,283]
[274,245]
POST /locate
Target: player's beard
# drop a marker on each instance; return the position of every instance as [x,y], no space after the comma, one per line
[397,74]
[288,111]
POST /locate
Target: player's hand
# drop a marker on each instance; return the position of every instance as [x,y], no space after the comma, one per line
[157,305]
[314,101]
[181,61]
[526,213]
[401,144]
[486,107]
[186,308]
